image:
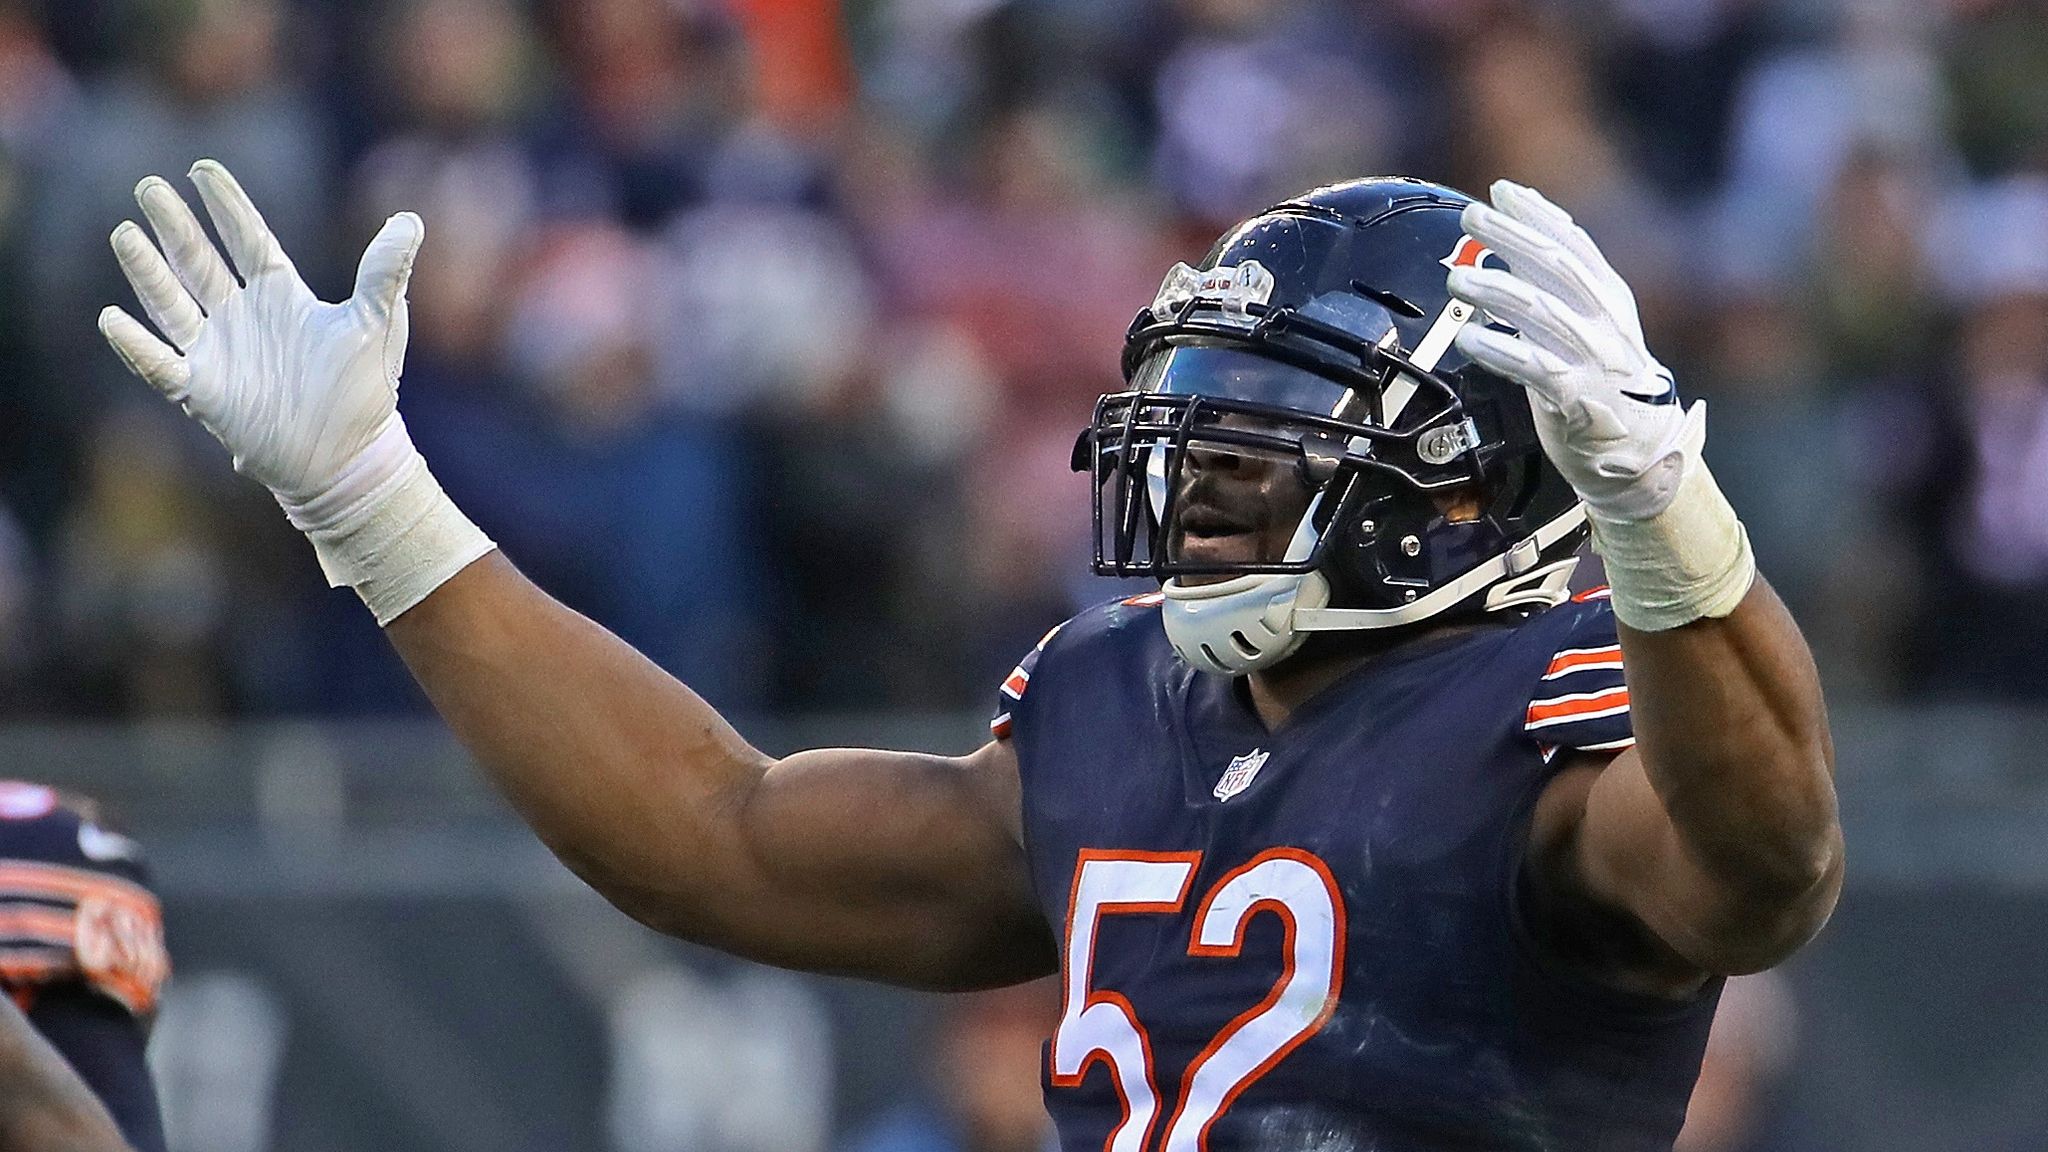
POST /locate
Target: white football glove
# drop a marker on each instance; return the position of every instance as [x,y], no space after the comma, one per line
[304,394]
[1606,411]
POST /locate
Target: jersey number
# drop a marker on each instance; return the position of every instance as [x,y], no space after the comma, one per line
[1099,1024]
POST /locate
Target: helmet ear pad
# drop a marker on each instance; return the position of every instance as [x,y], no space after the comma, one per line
[1392,550]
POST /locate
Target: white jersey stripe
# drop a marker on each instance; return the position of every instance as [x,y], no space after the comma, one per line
[1574,697]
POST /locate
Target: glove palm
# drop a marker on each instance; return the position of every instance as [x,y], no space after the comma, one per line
[302,392]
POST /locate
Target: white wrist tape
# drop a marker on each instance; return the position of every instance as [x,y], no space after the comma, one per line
[386,529]
[1691,560]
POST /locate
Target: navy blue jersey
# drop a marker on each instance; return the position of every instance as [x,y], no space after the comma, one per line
[1308,939]
[82,947]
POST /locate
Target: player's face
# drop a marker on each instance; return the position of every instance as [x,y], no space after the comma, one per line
[1236,508]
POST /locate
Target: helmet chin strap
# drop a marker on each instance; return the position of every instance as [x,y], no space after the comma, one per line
[1544,586]
[1252,622]
[1242,624]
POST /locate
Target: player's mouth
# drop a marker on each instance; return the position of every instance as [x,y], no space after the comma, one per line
[1209,534]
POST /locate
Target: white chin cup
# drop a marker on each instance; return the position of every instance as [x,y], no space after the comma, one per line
[1242,624]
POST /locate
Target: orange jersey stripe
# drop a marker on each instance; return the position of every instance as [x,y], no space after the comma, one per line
[1578,705]
[1572,659]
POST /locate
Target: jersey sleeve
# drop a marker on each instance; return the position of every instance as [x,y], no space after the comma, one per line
[1581,700]
[75,907]
[1012,690]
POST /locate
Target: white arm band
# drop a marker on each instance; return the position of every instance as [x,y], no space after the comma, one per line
[1691,560]
[386,529]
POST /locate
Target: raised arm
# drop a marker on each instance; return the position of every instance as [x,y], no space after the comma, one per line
[900,867]
[1717,831]
[1712,846]
[891,865]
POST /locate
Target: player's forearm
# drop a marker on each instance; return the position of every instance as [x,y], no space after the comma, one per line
[1733,736]
[627,775]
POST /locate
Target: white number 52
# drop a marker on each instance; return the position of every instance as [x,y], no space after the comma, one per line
[1099,1024]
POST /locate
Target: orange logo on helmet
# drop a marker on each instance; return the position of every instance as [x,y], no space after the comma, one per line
[1468,254]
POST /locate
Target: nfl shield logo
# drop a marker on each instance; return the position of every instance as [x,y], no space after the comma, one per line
[1238,776]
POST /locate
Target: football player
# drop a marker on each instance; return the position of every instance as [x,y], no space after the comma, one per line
[1354,836]
[82,960]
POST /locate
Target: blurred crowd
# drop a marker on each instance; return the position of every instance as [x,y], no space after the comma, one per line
[760,330]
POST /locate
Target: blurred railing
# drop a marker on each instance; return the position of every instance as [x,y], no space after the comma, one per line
[1930,797]
[365,808]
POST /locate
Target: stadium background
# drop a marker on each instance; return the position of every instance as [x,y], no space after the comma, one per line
[760,331]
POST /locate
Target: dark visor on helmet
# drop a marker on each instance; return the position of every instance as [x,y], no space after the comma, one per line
[1212,399]
[1230,373]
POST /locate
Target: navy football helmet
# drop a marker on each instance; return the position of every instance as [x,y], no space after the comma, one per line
[1316,336]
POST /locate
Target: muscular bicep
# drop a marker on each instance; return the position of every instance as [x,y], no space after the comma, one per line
[897,866]
[1619,892]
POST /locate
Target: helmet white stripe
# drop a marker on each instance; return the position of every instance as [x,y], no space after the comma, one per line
[1435,343]
[1343,619]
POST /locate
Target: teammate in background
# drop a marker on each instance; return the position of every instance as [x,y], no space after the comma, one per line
[82,959]
[1353,836]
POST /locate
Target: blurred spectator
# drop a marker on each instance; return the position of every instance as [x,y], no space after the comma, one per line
[1985,523]
[140,578]
[761,307]
[37,94]
[1997,65]
[626,508]
[651,88]
[1803,112]
[1983,456]
[1876,309]
[202,78]
[1528,111]
[140,564]
[1762,373]
[1260,100]
[984,1075]
[460,66]
[35,88]
[455,159]
[1674,65]
[799,65]
[774,366]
